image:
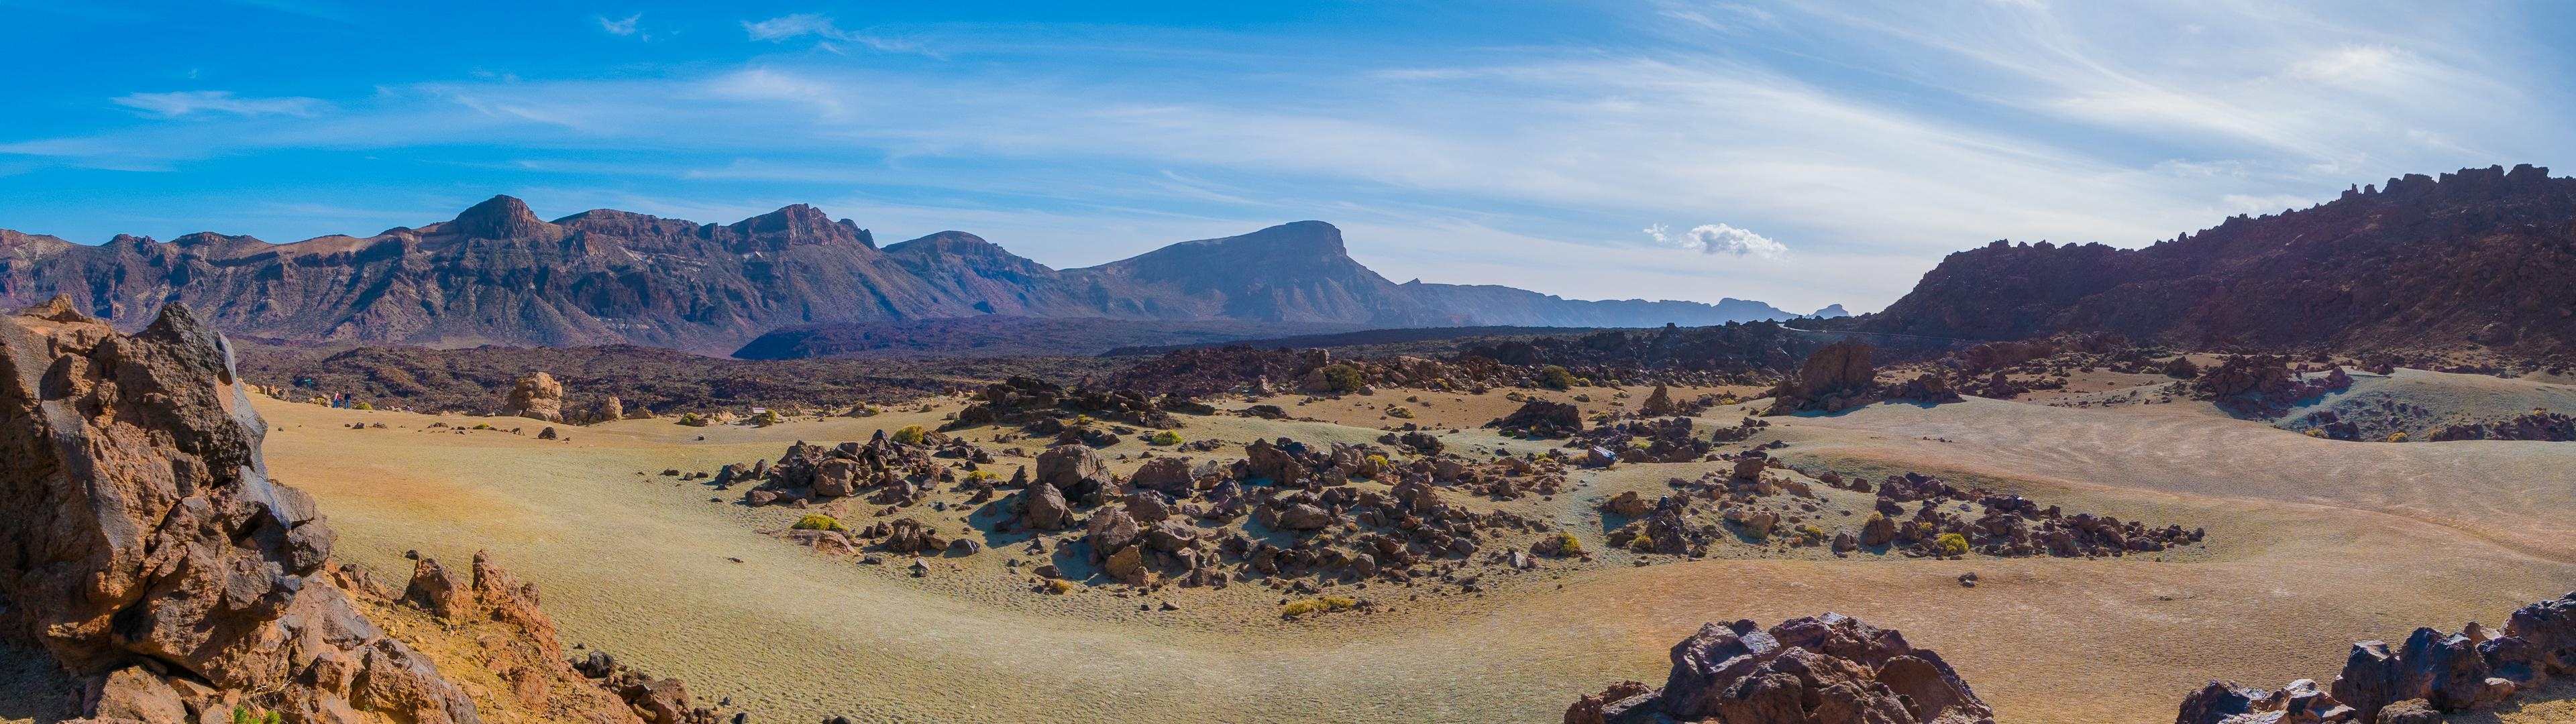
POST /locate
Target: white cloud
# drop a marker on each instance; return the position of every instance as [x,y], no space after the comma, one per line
[1720,239]
[631,25]
[788,27]
[183,103]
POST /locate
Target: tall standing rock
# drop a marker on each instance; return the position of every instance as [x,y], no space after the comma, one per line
[146,546]
[537,396]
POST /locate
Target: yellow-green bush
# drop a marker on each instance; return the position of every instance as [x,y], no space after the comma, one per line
[1165,437]
[1327,604]
[818,521]
[362,406]
[1398,411]
[1567,543]
[692,419]
[2397,437]
[1059,586]
[910,434]
[1950,544]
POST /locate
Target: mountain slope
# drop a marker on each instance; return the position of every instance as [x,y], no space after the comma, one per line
[497,274]
[2482,256]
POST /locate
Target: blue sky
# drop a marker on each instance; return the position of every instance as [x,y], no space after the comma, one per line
[1802,154]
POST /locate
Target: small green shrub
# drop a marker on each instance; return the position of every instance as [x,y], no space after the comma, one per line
[818,521]
[1567,544]
[1950,544]
[1399,411]
[1059,586]
[1555,378]
[910,434]
[243,715]
[2397,437]
[1165,437]
[693,419]
[362,406]
[1342,377]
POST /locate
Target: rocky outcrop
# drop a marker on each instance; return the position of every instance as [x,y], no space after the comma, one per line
[1817,670]
[1541,418]
[152,550]
[150,553]
[535,396]
[1839,377]
[2416,681]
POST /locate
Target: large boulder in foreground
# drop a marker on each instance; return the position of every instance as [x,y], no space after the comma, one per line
[146,549]
[146,546]
[1828,669]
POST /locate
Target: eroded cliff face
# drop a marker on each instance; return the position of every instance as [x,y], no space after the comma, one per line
[147,550]
[2482,256]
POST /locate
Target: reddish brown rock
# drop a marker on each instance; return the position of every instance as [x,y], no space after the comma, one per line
[160,536]
[1818,670]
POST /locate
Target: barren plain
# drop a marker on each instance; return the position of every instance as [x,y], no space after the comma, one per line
[2312,544]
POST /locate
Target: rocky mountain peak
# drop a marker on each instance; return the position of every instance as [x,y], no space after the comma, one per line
[500,217]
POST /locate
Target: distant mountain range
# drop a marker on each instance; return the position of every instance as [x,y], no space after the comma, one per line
[497,274]
[2482,257]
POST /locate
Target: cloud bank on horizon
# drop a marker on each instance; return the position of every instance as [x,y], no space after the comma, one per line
[1522,143]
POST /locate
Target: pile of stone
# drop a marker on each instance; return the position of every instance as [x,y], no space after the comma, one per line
[1839,377]
[1912,515]
[1827,669]
[2416,682]
[2537,425]
[1204,524]
[1044,407]
[1541,419]
[888,472]
[2263,385]
[1657,441]
[2005,526]
[1660,403]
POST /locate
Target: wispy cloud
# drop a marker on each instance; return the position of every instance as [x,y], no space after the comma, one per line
[186,103]
[789,27]
[631,26]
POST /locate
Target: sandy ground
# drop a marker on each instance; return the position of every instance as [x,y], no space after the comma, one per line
[2314,544]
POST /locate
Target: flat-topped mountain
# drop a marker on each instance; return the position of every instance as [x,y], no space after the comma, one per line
[498,274]
[2482,256]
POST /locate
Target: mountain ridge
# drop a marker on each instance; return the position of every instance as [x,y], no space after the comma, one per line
[499,274]
[2479,257]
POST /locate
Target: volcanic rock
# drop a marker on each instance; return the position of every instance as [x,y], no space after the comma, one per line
[1817,670]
